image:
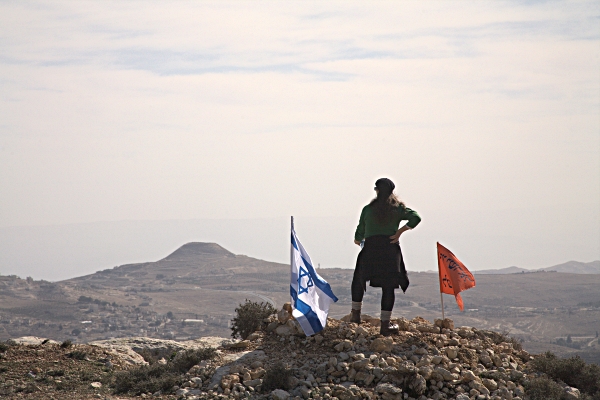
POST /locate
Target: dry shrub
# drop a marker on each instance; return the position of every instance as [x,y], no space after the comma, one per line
[249,317]
[277,377]
[155,377]
[543,388]
[573,371]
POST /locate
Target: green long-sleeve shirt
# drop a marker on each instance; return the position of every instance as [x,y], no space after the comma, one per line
[368,225]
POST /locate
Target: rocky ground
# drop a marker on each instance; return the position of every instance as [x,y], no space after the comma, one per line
[346,361]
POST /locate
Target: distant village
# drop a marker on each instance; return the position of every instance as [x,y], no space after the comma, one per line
[93,319]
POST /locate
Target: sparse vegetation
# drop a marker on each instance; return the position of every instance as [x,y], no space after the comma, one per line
[503,337]
[277,377]
[66,344]
[543,388]
[155,377]
[572,371]
[77,355]
[145,379]
[249,317]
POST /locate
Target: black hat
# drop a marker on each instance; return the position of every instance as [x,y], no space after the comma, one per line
[385,186]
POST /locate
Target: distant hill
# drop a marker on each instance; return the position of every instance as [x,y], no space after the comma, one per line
[571,267]
[576,267]
[193,249]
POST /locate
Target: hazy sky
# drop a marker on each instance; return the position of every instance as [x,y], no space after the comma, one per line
[485,114]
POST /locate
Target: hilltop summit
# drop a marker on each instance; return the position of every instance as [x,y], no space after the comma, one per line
[194,249]
[346,361]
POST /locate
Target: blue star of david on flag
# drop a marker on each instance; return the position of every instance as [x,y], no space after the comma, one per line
[309,284]
[311,294]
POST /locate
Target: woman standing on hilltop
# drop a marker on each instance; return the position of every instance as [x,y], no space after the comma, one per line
[380,261]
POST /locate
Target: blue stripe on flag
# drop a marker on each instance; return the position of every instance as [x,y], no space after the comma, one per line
[321,284]
[294,295]
[310,315]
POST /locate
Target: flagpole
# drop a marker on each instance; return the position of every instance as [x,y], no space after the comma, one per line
[442,298]
[292,222]
[440,277]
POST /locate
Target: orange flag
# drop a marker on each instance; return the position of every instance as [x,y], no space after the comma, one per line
[454,276]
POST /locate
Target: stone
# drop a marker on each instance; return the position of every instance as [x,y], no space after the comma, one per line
[279,394]
[571,393]
[468,376]
[253,336]
[451,352]
[360,364]
[229,380]
[351,374]
[196,381]
[418,384]
[421,351]
[516,375]
[485,359]
[448,324]
[305,392]
[490,384]
[446,375]
[387,388]
[361,331]
[31,341]
[242,344]
[426,372]
[465,332]
[497,361]
[257,373]
[345,345]
[436,359]
[318,339]
[96,385]
[361,376]
[381,345]
[378,372]
[272,326]
[253,383]
[427,328]
[283,316]
[283,330]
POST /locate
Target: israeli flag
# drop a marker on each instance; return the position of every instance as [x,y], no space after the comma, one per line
[311,294]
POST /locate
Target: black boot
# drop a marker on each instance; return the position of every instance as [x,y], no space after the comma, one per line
[388,329]
[355,316]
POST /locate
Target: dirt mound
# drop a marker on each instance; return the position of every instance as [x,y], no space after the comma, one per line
[345,361]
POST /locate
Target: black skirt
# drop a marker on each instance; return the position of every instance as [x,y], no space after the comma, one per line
[381,264]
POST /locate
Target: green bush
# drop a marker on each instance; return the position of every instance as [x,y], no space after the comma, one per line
[3,347]
[572,371]
[543,388]
[249,317]
[277,377]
